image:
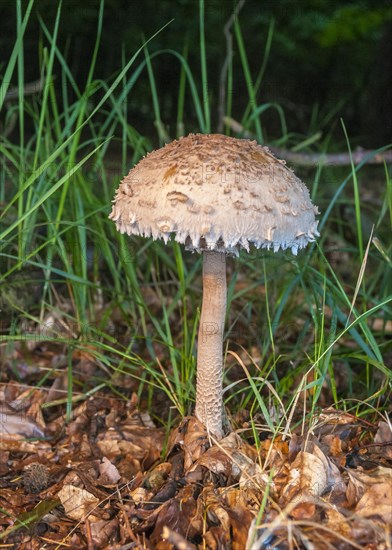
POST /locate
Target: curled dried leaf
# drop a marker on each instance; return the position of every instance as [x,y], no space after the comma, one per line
[307,478]
[377,502]
[78,503]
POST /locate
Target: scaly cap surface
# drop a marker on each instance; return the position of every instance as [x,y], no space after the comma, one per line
[213,192]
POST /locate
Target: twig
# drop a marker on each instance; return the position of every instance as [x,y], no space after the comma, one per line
[225,67]
[337,159]
[177,540]
[125,517]
[314,159]
[90,542]
[29,89]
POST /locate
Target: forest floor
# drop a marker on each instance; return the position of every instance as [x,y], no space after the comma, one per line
[109,478]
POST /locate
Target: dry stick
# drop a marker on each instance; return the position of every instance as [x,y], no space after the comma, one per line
[225,67]
[125,517]
[177,540]
[337,159]
[313,159]
[90,543]
[30,88]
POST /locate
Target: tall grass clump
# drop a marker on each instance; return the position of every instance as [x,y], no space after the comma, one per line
[301,333]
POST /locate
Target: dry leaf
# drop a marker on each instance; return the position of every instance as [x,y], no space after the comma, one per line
[156,478]
[18,444]
[275,452]
[384,435]
[191,436]
[14,423]
[234,498]
[108,473]
[360,481]
[227,516]
[101,531]
[336,522]
[176,514]
[377,502]
[334,478]
[240,520]
[78,503]
[303,510]
[140,495]
[334,444]
[230,458]
[307,478]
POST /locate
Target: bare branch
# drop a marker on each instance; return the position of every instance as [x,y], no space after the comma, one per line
[29,89]
[177,540]
[314,159]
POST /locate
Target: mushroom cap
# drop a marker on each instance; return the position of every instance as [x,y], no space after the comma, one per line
[213,192]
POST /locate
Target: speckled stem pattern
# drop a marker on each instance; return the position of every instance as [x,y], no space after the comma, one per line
[210,344]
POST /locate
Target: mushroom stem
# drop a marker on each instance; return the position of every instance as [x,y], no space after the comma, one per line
[209,403]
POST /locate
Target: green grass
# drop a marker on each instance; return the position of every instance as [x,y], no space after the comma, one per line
[301,333]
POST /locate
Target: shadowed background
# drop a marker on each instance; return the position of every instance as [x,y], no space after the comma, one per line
[328,59]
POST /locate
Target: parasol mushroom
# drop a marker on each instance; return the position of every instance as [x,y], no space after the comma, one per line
[216,195]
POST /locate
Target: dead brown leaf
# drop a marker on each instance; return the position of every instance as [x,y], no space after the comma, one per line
[18,444]
[360,481]
[191,436]
[307,478]
[178,514]
[377,502]
[101,531]
[77,502]
[384,436]
[21,416]
[303,510]
[230,459]
[337,522]
[108,473]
